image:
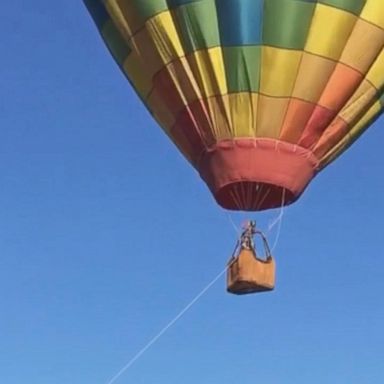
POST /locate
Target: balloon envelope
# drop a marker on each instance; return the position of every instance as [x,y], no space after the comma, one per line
[259,95]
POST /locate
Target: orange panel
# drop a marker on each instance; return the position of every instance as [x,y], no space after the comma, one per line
[341,86]
[298,114]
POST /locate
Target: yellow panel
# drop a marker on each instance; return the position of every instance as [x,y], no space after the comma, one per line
[279,69]
[243,108]
[208,69]
[164,34]
[375,74]
[360,100]
[329,31]
[144,47]
[271,114]
[365,42]
[218,108]
[157,44]
[133,68]
[371,113]
[374,12]
[316,71]
[127,13]
[355,131]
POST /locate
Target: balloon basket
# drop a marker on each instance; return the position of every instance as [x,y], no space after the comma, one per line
[249,274]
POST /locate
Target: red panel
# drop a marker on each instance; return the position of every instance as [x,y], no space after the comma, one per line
[164,86]
[176,85]
[331,137]
[186,134]
[340,88]
[317,124]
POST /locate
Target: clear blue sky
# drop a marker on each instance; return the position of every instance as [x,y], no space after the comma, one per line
[106,233]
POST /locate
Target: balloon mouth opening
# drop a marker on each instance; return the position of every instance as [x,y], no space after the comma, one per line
[253,196]
[257,174]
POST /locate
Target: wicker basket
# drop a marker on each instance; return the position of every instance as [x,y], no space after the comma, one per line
[249,274]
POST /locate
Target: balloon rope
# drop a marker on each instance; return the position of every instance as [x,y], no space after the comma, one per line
[264,197]
[258,191]
[235,197]
[166,328]
[243,194]
[278,221]
[235,227]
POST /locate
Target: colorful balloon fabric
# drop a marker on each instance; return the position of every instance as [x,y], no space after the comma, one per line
[259,95]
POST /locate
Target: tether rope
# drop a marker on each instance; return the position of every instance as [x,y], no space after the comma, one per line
[165,329]
[276,221]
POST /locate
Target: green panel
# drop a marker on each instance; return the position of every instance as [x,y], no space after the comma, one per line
[242,65]
[98,12]
[353,6]
[197,25]
[146,9]
[287,22]
[115,42]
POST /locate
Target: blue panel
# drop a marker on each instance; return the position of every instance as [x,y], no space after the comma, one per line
[240,21]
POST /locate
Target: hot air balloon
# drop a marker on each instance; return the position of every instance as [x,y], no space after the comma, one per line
[259,95]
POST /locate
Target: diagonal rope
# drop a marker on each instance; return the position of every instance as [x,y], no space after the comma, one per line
[277,221]
[165,329]
[235,227]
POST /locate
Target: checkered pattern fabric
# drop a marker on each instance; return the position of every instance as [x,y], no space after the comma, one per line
[305,72]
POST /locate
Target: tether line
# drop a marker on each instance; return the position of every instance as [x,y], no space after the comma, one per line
[165,329]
